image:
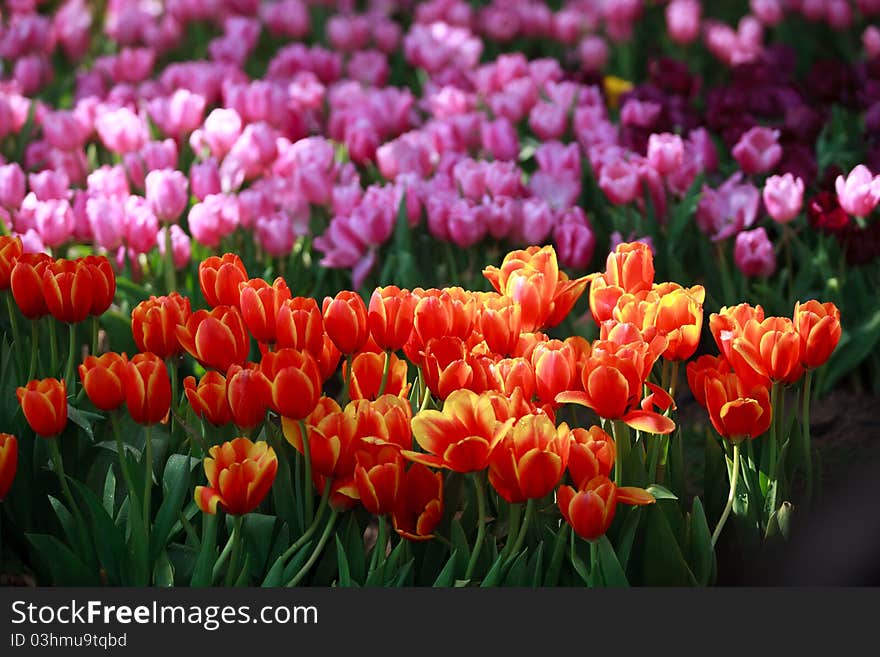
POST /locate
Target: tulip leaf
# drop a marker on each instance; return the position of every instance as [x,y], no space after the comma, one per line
[355,549]
[109,498]
[703,563]
[66,519]
[81,419]
[496,573]
[577,563]
[555,567]
[518,575]
[203,572]
[163,571]
[460,544]
[183,560]
[611,571]
[536,565]
[342,561]
[65,567]
[661,493]
[244,576]
[297,562]
[404,577]
[257,531]
[283,494]
[447,576]
[675,463]
[175,485]
[627,535]
[107,537]
[662,563]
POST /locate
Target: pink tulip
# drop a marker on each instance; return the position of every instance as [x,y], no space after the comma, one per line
[54,221]
[204,178]
[167,193]
[221,129]
[859,192]
[109,181]
[49,184]
[275,234]
[665,152]
[783,197]
[548,120]
[106,220]
[121,130]
[640,113]
[500,139]
[12,186]
[758,150]
[731,208]
[213,219]
[181,250]
[769,12]
[574,239]
[871,41]
[593,53]
[753,253]
[178,114]
[63,130]
[620,181]
[683,20]
[141,224]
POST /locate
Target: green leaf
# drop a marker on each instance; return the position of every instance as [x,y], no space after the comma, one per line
[661,493]
[297,561]
[355,550]
[558,540]
[661,560]
[627,535]
[536,565]
[342,561]
[65,567]
[204,568]
[283,494]
[577,563]
[175,486]
[81,419]
[611,571]
[853,348]
[518,574]
[460,544]
[110,492]
[183,561]
[163,571]
[107,538]
[496,573]
[447,576]
[404,575]
[703,564]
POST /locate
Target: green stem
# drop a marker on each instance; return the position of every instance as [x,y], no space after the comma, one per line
[328,529]
[774,425]
[13,321]
[594,562]
[71,350]
[377,559]
[35,348]
[480,490]
[65,487]
[189,530]
[53,344]
[515,515]
[170,284]
[385,368]
[171,366]
[726,282]
[524,529]
[120,450]
[307,475]
[673,379]
[96,331]
[727,507]
[426,397]
[223,558]
[805,437]
[621,441]
[232,571]
[148,477]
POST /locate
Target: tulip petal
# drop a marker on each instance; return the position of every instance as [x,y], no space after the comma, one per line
[207,499]
[649,422]
[635,496]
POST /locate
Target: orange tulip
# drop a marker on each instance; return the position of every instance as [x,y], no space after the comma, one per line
[592,455]
[516,373]
[240,474]
[612,380]
[818,326]
[208,399]
[328,358]
[103,283]
[147,388]
[771,348]
[729,324]
[248,392]
[216,338]
[378,477]
[737,412]
[67,289]
[366,375]
[446,367]
[345,321]
[629,268]
[500,320]
[26,283]
[390,316]
[462,436]
[10,252]
[679,317]
[590,509]
[420,503]
[298,324]
[154,323]
[699,369]
[44,404]
[103,378]
[529,461]
[532,278]
[8,462]
[294,382]
[260,303]
[292,430]
[219,278]
[438,314]
[554,363]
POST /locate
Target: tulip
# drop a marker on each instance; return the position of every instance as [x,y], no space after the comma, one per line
[500,320]
[390,316]
[772,348]
[591,455]
[818,326]
[103,379]
[219,279]
[9,464]
[366,376]
[68,290]
[294,382]
[699,369]
[783,197]
[629,268]
[44,404]
[154,323]
[208,399]
[462,436]
[737,412]
[620,182]
[590,509]
[378,477]
[683,20]
[299,324]
[26,283]
[167,193]
[10,252]
[420,503]
[345,321]
[240,474]
[554,365]
[217,338]
[530,460]
[260,303]
[247,392]
[446,367]
[665,152]
[859,192]
[679,317]
[758,150]
[754,254]
[147,389]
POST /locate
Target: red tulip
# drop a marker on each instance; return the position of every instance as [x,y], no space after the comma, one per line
[147,389]
[68,290]
[260,303]
[420,503]
[345,320]
[10,252]
[154,323]
[818,326]
[294,382]
[8,462]
[26,282]
[103,283]
[240,474]
[592,455]
[208,399]
[248,392]
[219,278]
[591,509]
[390,316]
[298,324]
[103,378]
[216,338]
[44,404]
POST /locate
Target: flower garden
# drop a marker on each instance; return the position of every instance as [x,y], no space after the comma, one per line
[444,293]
